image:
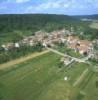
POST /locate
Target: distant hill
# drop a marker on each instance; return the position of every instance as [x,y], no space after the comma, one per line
[95,17]
[14,26]
[30,21]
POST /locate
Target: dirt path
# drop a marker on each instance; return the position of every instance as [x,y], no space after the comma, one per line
[81,77]
[22,59]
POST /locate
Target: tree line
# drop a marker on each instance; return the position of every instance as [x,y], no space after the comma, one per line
[18,52]
[27,24]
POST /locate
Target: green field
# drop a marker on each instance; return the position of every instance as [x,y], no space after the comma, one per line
[71,52]
[41,79]
[94,25]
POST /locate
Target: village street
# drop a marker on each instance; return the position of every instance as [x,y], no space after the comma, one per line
[83,60]
[22,59]
[73,59]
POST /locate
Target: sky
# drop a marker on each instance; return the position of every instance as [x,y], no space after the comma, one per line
[66,7]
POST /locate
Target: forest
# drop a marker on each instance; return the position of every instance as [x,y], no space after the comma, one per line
[14,27]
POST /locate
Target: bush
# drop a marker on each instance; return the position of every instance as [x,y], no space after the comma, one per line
[60,64]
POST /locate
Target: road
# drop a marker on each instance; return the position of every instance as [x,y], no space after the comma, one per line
[55,51]
[33,55]
[83,60]
[22,59]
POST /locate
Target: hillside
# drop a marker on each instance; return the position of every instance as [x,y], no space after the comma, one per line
[30,21]
[14,26]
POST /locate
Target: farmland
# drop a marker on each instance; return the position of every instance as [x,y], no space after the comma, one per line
[94,25]
[41,79]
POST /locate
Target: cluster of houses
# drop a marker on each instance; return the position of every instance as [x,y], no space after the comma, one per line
[84,47]
[81,46]
[9,46]
[63,35]
[39,36]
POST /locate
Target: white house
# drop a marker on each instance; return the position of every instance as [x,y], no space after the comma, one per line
[17,45]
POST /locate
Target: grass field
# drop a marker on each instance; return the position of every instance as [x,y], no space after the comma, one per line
[21,59]
[94,25]
[41,79]
[69,51]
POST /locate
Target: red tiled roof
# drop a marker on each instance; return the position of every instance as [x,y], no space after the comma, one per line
[85,42]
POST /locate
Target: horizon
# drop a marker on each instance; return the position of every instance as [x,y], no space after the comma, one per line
[45,14]
[58,7]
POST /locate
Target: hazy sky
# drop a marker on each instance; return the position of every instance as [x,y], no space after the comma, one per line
[67,7]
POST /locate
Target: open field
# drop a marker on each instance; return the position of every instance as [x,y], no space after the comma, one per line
[81,77]
[22,59]
[41,79]
[92,87]
[42,75]
[94,25]
[68,51]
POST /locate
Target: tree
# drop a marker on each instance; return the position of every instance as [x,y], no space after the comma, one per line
[60,64]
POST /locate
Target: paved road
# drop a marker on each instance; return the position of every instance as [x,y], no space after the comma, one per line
[83,60]
[55,51]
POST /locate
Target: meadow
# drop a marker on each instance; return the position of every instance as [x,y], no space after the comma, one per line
[41,79]
[94,25]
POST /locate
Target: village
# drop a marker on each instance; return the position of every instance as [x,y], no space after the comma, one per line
[75,58]
[48,49]
[48,40]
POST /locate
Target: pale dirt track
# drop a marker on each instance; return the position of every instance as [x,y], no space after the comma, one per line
[22,59]
[82,76]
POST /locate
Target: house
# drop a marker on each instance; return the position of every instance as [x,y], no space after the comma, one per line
[58,33]
[4,47]
[7,46]
[66,60]
[17,45]
[81,46]
[71,39]
[55,34]
[95,55]
[63,40]
[85,46]
[30,41]
[40,35]
[48,42]
[44,44]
